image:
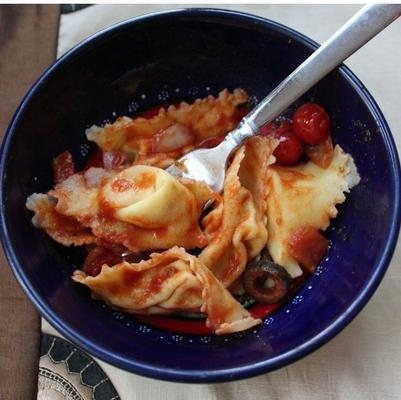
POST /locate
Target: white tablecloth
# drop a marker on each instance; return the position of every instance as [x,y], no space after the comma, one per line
[364,360]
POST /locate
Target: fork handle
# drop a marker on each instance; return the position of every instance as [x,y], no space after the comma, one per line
[362,27]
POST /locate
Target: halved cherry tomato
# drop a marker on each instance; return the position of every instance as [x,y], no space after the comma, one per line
[308,246]
[211,142]
[97,257]
[311,123]
[63,167]
[289,151]
[290,148]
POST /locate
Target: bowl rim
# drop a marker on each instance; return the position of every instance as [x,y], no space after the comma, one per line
[226,374]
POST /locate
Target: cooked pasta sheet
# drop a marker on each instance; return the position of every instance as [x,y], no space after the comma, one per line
[141,207]
[305,195]
[166,283]
[62,229]
[236,228]
[205,118]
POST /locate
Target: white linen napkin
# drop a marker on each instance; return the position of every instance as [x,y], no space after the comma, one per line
[364,360]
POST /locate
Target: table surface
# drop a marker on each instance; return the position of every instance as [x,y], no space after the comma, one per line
[364,360]
[28,39]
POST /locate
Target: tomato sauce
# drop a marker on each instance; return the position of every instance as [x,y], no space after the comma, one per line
[308,247]
[63,167]
[145,180]
[95,160]
[97,257]
[158,280]
[105,209]
[122,185]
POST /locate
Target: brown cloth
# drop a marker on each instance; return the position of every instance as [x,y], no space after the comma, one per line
[28,39]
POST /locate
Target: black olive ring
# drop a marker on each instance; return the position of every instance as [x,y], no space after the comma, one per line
[266,281]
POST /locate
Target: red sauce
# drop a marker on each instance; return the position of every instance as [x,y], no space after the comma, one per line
[198,327]
[308,247]
[211,142]
[158,280]
[97,257]
[201,240]
[145,180]
[63,167]
[233,264]
[122,185]
[130,277]
[105,209]
[95,160]
[149,113]
[160,232]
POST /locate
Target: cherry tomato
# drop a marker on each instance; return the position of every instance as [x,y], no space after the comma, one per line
[276,129]
[289,151]
[290,148]
[211,142]
[311,123]
[308,246]
[63,167]
[97,257]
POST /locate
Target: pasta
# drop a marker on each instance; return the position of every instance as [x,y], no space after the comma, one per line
[205,118]
[236,228]
[152,246]
[305,195]
[168,282]
[62,229]
[139,207]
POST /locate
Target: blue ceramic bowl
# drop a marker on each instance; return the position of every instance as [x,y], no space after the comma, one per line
[182,55]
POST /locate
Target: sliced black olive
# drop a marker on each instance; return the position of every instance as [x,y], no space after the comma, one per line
[266,281]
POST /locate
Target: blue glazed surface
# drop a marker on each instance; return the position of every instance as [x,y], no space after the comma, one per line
[183,55]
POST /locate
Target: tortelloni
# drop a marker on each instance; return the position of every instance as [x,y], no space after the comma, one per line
[62,229]
[236,228]
[149,197]
[141,207]
[169,282]
[305,195]
[204,119]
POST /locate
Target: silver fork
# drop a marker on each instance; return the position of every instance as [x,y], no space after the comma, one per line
[209,165]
